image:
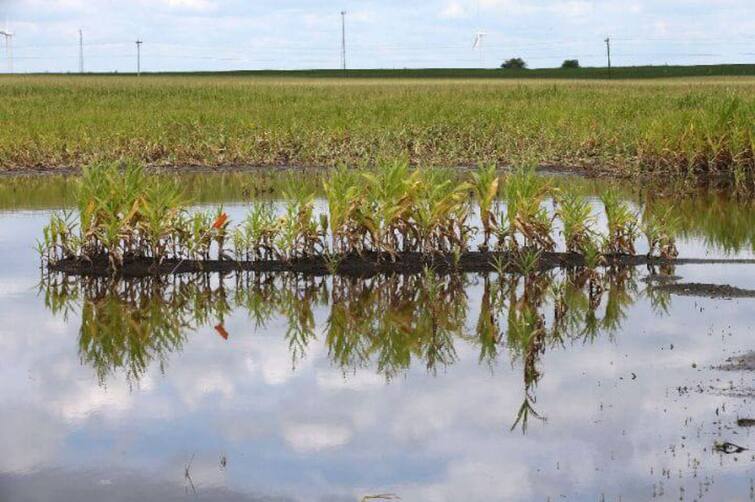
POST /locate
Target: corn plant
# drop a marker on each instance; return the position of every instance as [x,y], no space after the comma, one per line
[485,183]
[123,215]
[351,221]
[525,193]
[257,232]
[658,229]
[577,220]
[622,225]
[159,213]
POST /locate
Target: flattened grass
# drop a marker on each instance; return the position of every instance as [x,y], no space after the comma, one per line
[682,125]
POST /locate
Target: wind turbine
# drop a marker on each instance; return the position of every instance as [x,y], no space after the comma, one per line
[479,35]
[477,44]
[8,45]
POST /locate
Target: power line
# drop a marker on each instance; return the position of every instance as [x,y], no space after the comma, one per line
[551,43]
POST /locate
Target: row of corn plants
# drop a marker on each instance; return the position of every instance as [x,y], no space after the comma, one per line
[123,214]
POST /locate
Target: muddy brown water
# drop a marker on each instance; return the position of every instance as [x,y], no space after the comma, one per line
[468,387]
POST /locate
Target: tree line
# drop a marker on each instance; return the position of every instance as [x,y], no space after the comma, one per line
[521,64]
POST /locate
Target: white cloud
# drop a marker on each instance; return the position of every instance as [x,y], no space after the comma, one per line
[572,8]
[452,10]
[661,27]
[197,5]
[28,438]
[233,34]
[315,437]
[88,399]
[359,381]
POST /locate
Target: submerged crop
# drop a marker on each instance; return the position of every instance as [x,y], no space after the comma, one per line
[384,214]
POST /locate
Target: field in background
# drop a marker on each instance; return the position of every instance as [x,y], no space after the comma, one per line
[684,124]
[618,72]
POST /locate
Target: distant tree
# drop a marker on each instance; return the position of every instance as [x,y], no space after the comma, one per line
[514,64]
[570,63]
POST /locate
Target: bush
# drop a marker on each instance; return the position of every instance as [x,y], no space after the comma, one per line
[514,64]
[570,63]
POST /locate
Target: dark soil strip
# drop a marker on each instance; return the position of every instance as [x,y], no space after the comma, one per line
[549,169]
[365,265]
[706,290]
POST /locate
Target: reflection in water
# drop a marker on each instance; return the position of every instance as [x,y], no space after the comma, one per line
[722,221]
[385,322]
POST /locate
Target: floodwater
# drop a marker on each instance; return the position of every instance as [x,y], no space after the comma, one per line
[428,388]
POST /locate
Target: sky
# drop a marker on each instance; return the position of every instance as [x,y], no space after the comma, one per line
[297,34]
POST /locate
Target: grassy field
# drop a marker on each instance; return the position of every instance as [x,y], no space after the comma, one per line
[626,126]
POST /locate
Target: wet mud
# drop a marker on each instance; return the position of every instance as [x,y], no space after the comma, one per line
[364,265]
[718,291]
[744,362]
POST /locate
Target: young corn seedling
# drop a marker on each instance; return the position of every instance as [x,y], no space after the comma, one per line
[123,215]
[527,260]
[622,225]
[392,192]
[351,221]
[658,229]
[308,236]
[485,182]
[525,193]
[159,211]
[199,239]
[259,228]
[219,231]
[577,219]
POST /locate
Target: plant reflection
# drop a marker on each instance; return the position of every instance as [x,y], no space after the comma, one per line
[386,322]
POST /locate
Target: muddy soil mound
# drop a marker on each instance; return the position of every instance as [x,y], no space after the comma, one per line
[366,264]
[744,362]
[706,290]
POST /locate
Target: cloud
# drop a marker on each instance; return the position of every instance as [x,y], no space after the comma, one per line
[306,438]
[452,10]
[572,8]
[196,5]
[234,34]
[28,437]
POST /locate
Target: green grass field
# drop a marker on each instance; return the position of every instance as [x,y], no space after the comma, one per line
[620,126]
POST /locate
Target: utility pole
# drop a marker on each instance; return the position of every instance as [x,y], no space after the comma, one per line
[608,53]
[343,39]
[81,51]
[139,58]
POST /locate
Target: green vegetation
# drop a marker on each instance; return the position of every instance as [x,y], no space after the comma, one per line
[622,224]
[578,222]
[570,64]
[121,214]
[617,72]
[514,64]
[627,127]
[724,221]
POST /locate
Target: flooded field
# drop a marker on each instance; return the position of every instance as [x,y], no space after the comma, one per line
[616,384]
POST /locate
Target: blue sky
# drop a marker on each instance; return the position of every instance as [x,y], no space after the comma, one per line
[235,34]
